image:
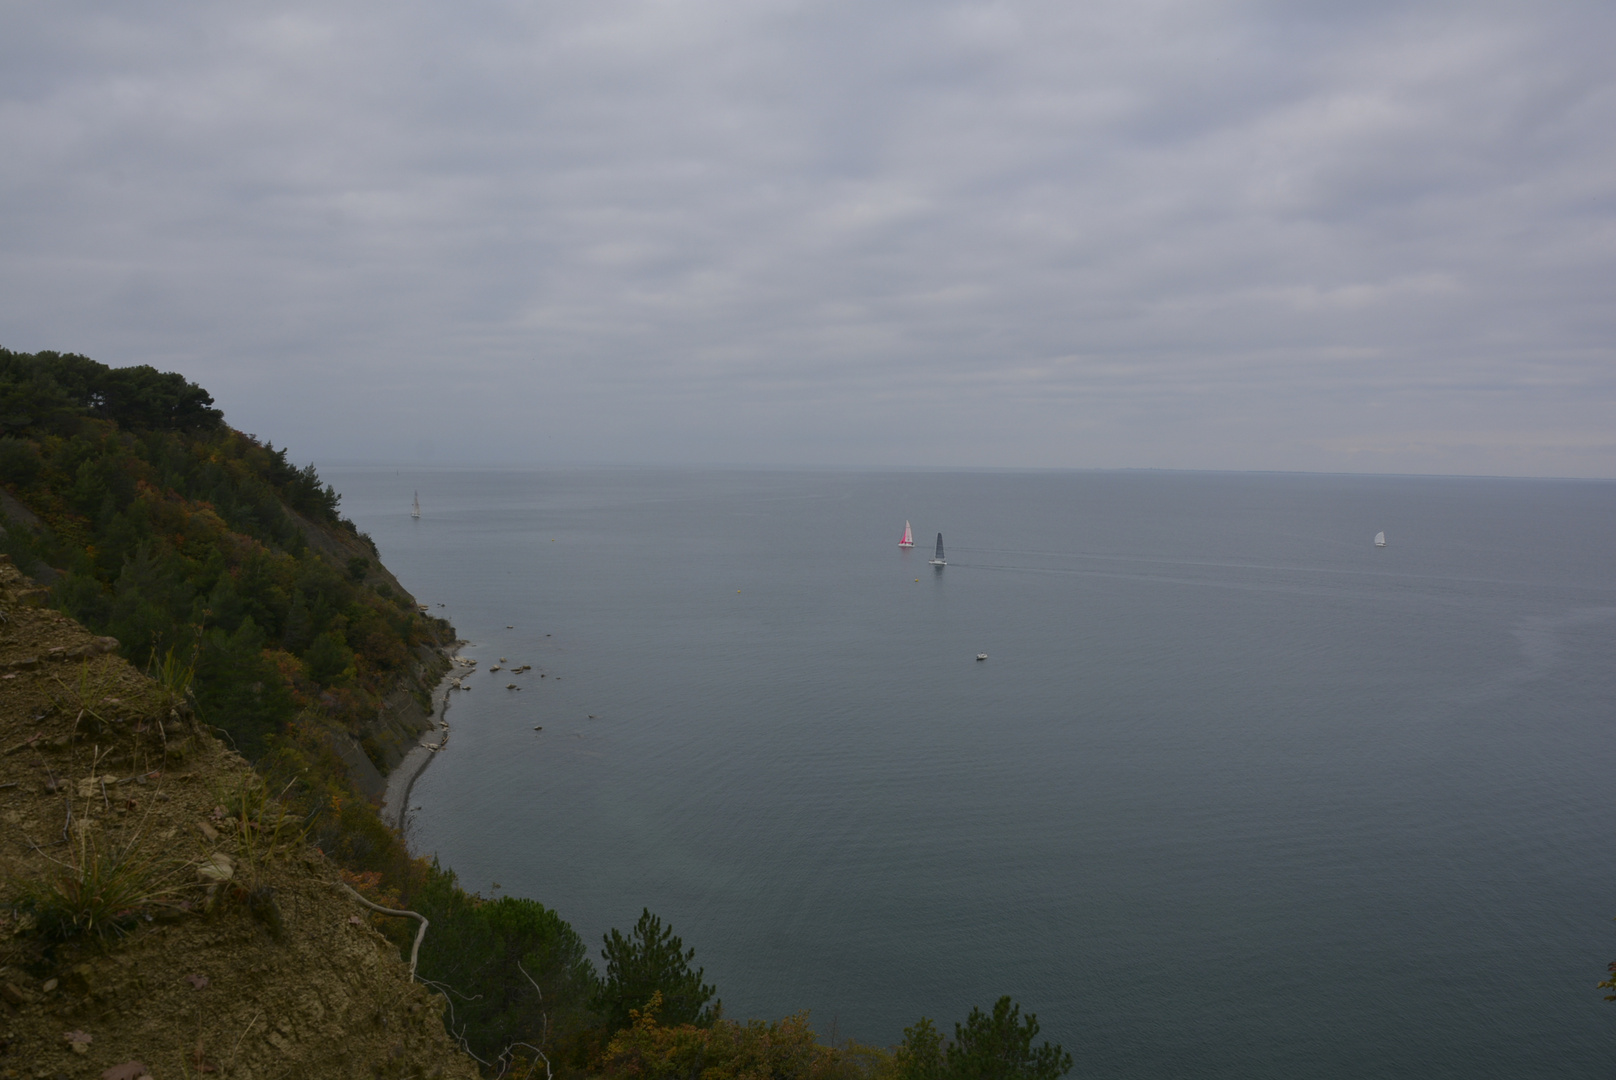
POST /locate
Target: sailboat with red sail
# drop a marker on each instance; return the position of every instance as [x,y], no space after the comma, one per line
[908,540]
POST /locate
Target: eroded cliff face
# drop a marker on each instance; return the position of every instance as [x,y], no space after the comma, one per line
[161,914]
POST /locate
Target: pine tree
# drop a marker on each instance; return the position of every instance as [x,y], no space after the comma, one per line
[653,959]
[999,1047]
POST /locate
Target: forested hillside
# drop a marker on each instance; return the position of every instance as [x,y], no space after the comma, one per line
[189,542]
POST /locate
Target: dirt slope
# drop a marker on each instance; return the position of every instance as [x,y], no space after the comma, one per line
[231,949]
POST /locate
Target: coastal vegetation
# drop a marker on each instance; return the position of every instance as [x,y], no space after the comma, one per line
[652,962]
[227,574]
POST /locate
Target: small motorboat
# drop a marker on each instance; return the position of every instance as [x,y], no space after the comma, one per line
[981,656]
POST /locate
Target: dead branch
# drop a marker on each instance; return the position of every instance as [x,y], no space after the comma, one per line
[415,951]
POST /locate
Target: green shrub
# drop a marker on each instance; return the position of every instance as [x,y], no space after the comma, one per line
[20,463]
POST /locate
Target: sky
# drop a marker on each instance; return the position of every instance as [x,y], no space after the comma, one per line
[1366,237]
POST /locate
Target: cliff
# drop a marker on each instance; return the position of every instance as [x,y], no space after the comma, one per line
[178,849]
[163,907]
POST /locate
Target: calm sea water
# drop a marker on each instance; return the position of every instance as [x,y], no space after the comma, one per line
[1235,795]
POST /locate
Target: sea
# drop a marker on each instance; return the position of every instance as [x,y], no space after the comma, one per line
[1236,793]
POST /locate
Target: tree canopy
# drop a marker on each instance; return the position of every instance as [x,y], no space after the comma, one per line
[998,1046]
[995,1045]
[652,960]
[49,390]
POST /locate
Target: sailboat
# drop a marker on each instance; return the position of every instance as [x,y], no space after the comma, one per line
[1380,539]
[937,560]
[415,511]
[908,540]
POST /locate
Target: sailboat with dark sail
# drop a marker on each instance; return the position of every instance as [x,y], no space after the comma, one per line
[937,560]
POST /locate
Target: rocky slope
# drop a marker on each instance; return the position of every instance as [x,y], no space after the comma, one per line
[161,913]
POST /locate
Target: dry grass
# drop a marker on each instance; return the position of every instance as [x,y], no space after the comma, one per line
[96,894]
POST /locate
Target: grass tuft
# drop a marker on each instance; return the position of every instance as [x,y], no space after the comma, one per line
[173,674]
[98,895]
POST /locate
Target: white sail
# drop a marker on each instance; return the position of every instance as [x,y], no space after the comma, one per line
[908,540]
[1380,539]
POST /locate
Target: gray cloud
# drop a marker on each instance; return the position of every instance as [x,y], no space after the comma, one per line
[1235,235]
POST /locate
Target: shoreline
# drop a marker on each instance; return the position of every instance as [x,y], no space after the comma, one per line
[396,797]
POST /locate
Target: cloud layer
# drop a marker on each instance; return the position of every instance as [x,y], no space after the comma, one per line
[1173,234]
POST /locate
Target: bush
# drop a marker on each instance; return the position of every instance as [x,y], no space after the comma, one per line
[328,660]
[20,463]
[726,1050]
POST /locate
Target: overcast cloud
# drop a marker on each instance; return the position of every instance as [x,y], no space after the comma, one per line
[1360,237]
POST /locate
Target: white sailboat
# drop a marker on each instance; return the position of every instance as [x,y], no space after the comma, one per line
[415,511]
[908,540]
[937,560]
[1380,539]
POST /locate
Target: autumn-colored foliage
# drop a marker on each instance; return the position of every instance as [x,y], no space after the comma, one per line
[729,1050]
